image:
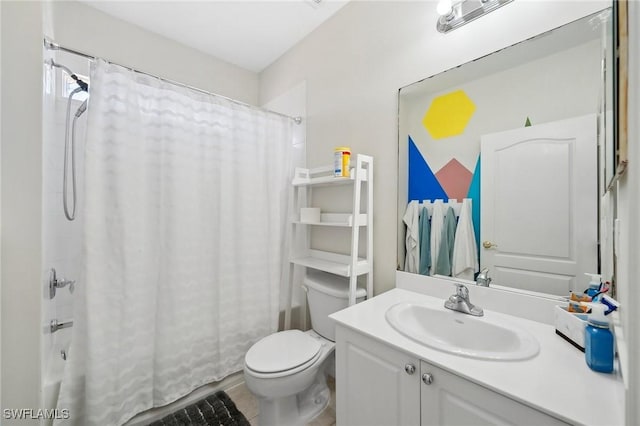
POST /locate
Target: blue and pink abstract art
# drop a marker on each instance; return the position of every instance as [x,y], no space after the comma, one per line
[453,180]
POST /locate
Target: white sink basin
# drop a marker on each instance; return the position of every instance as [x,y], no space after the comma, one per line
[462,334]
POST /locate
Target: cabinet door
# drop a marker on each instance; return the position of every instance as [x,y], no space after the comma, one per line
[374,383]
[452,400]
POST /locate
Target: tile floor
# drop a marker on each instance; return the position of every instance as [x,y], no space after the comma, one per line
[248,405]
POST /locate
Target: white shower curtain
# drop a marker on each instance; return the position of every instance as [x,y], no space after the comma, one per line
[184,207]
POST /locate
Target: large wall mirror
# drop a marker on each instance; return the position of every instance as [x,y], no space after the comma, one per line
[503,157]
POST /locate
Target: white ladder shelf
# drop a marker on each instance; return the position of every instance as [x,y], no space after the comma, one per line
[350,265]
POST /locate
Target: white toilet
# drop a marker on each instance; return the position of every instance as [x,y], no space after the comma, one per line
[287,371]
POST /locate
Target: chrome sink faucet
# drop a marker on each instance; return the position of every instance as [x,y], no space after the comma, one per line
[460,302]
[483,278]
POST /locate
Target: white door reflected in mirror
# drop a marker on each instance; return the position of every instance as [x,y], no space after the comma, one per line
[540,205]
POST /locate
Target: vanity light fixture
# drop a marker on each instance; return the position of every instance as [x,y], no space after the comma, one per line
[456,13]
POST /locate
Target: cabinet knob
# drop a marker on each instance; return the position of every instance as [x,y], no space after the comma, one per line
[410,368]
[427,378]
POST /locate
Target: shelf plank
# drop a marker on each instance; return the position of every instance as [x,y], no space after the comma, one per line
[324,180]
[336,220]
[334,263]
[323,176]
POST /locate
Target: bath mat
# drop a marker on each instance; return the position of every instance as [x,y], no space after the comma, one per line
[215,410]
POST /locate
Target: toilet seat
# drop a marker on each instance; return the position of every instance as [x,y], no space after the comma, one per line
[283,353]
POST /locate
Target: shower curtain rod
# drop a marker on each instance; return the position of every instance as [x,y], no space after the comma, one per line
[50,45]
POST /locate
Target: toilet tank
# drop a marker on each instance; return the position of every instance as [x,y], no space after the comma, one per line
[326,294]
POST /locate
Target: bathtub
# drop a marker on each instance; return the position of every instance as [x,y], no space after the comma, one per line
[54,368]
[55,365]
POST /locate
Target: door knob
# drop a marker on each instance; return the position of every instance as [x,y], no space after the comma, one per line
[427,378]
[410,368]
[488,244]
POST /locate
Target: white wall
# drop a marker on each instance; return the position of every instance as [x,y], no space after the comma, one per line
[78,26]
[354,65]
[21,204]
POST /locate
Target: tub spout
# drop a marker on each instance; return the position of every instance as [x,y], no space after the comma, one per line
[56,325]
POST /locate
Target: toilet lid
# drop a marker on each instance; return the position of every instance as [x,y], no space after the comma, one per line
[282,351]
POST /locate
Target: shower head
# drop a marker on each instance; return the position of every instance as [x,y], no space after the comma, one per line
[83,85]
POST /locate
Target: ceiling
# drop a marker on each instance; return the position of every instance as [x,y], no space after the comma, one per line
[250,34]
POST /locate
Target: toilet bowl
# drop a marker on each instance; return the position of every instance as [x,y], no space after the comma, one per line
[286,371]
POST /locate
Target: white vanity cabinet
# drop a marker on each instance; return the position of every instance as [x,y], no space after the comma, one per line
[375,384]
[379,385]
[448,399]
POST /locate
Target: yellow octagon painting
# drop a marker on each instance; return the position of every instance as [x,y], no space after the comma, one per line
[448,114]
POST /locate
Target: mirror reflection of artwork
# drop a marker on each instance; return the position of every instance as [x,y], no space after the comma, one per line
[553,78]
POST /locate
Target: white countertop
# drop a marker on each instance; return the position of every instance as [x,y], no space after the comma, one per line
[557,381]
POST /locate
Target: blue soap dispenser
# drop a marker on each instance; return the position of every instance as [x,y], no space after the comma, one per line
[598,340]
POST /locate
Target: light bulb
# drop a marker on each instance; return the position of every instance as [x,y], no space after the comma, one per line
[444,8]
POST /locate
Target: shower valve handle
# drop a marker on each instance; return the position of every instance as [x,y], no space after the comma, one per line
[55,283]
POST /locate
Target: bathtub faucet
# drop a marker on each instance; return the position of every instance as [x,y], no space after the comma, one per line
[56,325]
[55,283]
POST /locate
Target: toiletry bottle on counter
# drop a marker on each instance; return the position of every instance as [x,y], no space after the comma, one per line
[598,340]
[594,284]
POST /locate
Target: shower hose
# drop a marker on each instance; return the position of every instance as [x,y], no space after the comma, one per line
[70,151]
